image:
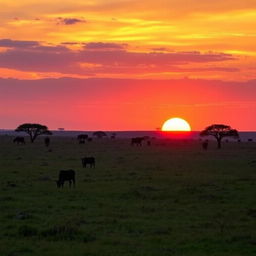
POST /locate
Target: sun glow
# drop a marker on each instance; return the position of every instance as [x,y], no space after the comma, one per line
[176,124]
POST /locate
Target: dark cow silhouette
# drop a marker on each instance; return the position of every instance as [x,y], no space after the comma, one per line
[205,145]
[19,140]
[137,141]
[66,175]
[82,138]
[113,136]
[88,160]
[47,141]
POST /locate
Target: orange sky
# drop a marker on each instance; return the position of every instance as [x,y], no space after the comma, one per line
[212,43]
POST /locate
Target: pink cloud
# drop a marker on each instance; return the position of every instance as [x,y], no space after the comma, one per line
[102,58]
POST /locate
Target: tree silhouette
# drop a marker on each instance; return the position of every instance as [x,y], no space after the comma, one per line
[219,131]
[99,134]
[33,130]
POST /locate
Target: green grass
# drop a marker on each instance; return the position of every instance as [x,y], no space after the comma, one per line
[171,198]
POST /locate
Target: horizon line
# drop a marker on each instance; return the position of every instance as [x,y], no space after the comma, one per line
[70,130]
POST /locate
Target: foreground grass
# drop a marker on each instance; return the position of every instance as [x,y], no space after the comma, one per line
[167,199]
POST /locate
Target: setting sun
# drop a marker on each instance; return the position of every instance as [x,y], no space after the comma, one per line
[176,124]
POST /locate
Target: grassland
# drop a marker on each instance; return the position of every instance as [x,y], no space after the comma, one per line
[170,198]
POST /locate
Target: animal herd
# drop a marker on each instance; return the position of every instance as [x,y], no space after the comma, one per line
[69,174]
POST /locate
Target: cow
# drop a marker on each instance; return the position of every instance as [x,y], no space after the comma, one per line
[19,140]
[113,136]
[81,138]
[66,175]
[47,141]
[88,160]
[137,141]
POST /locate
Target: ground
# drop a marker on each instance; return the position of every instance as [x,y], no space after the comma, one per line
[170,198]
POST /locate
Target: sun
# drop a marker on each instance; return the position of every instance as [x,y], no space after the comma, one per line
[176,124]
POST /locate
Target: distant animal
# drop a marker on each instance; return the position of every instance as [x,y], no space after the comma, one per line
[88,160]
[19,140]
[250,140]
[47,141]
[137,141]
[82,138]
[66,175]
[205,145]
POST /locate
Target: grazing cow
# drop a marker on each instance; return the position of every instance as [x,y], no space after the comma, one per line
[88,160]
[82,138]
[113,136]
[47,141]
[205,145]
[66,175]
[19,140]
[137,141]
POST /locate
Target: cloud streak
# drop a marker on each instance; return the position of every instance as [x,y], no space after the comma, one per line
[104,46]
[69,21]
[18,43]
[98,58]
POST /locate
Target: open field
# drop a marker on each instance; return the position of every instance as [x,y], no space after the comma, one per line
[170,198]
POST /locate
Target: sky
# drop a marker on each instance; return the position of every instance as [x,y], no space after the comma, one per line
[126,64]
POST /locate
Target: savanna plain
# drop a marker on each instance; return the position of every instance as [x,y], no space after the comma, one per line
[170,198]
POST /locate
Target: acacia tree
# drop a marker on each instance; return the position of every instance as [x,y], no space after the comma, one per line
[219,131]
[33,130]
